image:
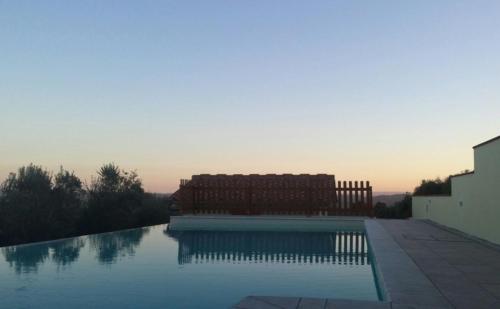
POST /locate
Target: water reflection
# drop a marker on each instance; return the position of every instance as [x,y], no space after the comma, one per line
[110,246]
[26,258]
[67,252]
[264,247]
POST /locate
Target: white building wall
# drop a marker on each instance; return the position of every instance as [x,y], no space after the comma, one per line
[474,204]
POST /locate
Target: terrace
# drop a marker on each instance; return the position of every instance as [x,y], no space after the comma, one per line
[421,265]
[416,263]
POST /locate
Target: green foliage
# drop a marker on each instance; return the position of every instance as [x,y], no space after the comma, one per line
[400,210]
[115,199]
[25,205]
[29,180]
[111,179]
[35,206]
[68,183]
[155,210]
[67,203]
[434,187]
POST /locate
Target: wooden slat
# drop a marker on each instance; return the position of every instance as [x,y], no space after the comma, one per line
[369,199]
[350,195]
[340,196]
[362,192]
[356,191]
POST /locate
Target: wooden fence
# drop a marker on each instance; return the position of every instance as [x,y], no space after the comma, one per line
[275,195]
[353,199]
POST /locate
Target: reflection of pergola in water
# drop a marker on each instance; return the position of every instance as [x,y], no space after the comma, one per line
[269,247]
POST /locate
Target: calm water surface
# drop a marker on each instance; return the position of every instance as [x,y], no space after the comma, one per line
[155,268]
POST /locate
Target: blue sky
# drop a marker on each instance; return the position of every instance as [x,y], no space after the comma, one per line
[388,91]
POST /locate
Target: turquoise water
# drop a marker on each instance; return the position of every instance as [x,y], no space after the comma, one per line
[156,268]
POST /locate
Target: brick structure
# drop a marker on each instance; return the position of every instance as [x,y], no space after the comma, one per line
[284,194]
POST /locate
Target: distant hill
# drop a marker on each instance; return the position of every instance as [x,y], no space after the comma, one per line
[388,199]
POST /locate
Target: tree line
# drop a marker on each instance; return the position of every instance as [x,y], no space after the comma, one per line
[399,210]
[402,209]
[36,205]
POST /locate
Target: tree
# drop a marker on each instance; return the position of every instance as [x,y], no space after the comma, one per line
[115,197]
[24,205]
[67,203]
[400,209]
[434,187]
[35,206]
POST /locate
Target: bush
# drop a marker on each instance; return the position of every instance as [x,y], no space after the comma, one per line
[25,205]
[400,210]
[114,198]
[35,206]
[155,210]
[67,203]
[434,187]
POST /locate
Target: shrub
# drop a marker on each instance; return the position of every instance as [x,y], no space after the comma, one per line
[36,206]
[434,187]
[400,210]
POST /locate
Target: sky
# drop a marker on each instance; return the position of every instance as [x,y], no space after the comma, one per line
[387,91]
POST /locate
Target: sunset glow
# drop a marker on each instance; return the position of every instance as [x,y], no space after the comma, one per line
[338,87]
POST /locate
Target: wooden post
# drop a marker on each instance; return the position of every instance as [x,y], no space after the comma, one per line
[369,199]
[356,191]
[362,185]
[350,195]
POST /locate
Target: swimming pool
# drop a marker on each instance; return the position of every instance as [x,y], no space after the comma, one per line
[157,268]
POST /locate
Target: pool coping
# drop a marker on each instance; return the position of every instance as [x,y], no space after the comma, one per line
[272,302]
[263,223]
[403,282]
[400,280]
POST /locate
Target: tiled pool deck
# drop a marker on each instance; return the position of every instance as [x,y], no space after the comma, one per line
[421,265]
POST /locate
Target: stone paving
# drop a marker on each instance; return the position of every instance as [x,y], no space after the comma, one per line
[420,265]
[466,272]
[399,276]
[271,302]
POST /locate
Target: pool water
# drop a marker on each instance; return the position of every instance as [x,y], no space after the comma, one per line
[153,267]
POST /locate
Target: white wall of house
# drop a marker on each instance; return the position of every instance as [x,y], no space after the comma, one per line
[474,204]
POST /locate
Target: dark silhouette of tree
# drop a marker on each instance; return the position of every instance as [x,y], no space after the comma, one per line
[434,187]
[399,210]
[114,199]
[67,203]
[25,212]
[36,206]
[381,211]
[154,210]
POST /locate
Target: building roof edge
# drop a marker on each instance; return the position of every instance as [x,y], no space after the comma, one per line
[487,142]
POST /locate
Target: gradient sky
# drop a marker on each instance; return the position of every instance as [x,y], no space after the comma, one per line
[386,91]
